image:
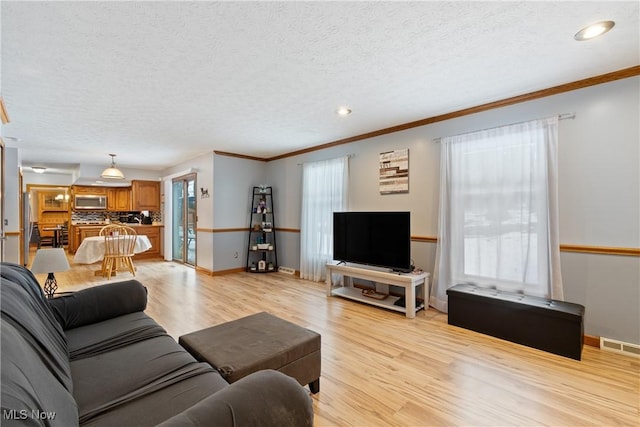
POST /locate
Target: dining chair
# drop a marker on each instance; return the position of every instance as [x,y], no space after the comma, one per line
[119,245]
[38,239]
[64,234]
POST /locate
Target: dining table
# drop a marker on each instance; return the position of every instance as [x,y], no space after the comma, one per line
[57,235]
[92,248]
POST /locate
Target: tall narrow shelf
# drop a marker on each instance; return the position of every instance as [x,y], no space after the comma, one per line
[261,248]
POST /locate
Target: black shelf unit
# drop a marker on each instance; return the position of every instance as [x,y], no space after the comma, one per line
[261,247]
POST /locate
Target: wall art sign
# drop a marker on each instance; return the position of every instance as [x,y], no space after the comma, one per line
[394,172]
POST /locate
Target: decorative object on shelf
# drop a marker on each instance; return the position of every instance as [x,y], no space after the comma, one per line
[394,172]
[112,172]
[50,261]
[204,193]
[262,206]
[261,247]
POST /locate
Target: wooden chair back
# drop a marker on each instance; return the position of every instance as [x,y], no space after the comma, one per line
[119,248]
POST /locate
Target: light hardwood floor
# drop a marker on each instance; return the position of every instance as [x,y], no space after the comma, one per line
[381,369]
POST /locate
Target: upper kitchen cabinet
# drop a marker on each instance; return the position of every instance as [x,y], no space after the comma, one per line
[97,191]
[145,195]
[119,199]
[56,200]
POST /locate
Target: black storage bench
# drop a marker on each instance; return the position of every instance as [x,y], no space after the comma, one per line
[545,324]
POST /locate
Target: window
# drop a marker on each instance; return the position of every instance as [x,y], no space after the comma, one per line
[324,191]
[498,211]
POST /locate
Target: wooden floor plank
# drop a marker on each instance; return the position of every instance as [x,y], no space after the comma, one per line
[381,369]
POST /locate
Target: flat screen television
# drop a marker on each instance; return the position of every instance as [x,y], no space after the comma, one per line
[381,239]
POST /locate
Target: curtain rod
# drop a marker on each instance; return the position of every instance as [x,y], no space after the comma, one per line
[563,116]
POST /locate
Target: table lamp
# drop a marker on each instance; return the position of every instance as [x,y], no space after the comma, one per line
[50,261]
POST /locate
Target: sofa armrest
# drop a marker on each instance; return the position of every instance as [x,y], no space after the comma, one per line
[264,398]
[99,303]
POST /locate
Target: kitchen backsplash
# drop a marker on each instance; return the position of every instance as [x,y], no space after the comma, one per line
[156,217]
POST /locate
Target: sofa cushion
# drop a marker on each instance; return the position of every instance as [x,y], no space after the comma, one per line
[99,303]
[162,404]
[109,380]
[91,340]
[31,393]
[24,307]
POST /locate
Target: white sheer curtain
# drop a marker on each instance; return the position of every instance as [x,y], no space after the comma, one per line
[498,224]
[324,191]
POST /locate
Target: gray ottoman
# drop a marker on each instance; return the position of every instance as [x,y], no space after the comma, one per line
[260,341]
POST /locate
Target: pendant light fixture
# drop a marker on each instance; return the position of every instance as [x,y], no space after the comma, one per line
[112,172]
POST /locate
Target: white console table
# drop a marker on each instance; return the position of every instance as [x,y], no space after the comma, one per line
[409,281]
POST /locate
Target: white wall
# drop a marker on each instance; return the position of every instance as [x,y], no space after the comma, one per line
[234,179]
[68,179]
[204,168]
[12,205]
[45,179]
[599,189]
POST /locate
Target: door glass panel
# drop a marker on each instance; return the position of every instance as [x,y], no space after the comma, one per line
[184,219]
[191,222]
[177,221]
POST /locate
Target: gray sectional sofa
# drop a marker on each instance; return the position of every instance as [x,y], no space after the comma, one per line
[94,358]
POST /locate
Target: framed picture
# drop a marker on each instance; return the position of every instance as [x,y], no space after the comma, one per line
[394,172]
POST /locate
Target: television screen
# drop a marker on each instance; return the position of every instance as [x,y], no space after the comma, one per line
[382,239]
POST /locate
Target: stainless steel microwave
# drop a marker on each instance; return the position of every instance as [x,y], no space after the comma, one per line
[90,202]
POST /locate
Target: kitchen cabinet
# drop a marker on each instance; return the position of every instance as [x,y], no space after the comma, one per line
[119,199]
[98,191]
[53,210]
[53,201]
[74,238]
[89,232]
[154,233]
[145,195]
[78,233]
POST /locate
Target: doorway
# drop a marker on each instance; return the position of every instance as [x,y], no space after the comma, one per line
[184,219]
[44,209]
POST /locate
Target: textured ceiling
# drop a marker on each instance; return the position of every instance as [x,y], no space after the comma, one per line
[159,83]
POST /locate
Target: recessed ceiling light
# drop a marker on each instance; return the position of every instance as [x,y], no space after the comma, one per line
[38,169]
[594,30]
[343,111]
